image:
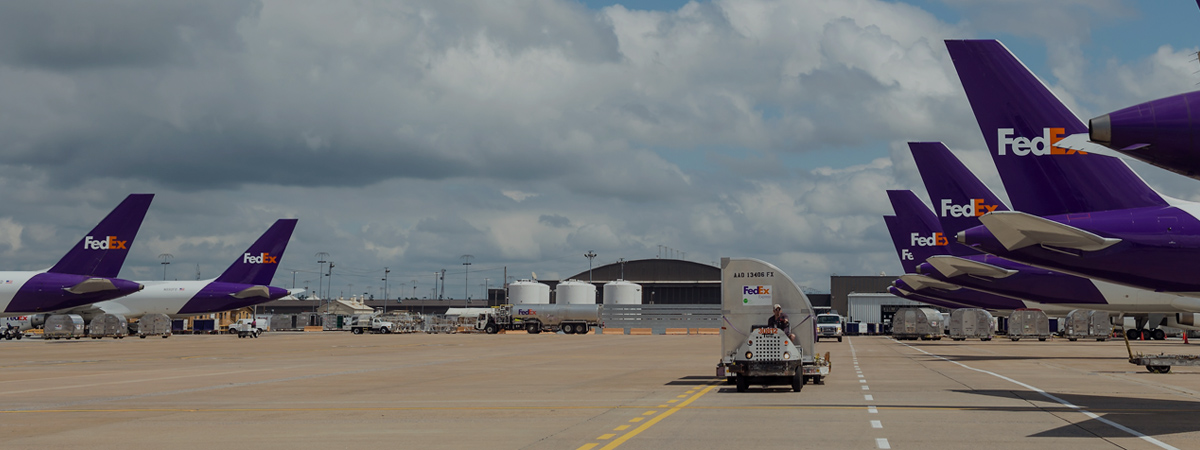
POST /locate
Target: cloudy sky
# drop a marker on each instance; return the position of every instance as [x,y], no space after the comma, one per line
[405,134]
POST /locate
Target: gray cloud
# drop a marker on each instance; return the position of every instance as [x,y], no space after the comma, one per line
[406,134]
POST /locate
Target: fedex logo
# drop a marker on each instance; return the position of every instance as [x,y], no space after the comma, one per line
[262,258]
[756,290]
[1038,146]
[526,312]
[974,209]
[108,243]
[936,240]
[906,255]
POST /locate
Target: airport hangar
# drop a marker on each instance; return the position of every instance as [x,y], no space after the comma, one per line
[663,281]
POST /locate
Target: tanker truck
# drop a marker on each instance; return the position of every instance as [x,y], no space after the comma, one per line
[535,318]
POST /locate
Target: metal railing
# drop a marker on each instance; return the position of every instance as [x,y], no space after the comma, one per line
[658,318]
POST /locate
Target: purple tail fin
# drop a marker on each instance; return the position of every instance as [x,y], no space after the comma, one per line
[959,198]
[1021,120]
[915,231]
[102,251]
[257,265]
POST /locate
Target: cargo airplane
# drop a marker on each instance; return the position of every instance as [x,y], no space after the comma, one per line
[245,283]
[1076,212]
[950,184]
[87,273]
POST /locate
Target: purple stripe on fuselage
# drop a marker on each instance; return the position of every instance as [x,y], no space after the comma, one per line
[218,296]
[47,292]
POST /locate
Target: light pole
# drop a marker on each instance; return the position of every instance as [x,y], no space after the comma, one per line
[622,261]
[329,284]
[414,289]
[321,257]
[166,257]
[466,275]
[485,291]
[385,297]
[590,255]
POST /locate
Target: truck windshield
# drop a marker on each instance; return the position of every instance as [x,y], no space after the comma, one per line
[828,319]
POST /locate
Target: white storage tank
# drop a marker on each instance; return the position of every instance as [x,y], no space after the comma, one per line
[575,292]
[528,292]
[621,292]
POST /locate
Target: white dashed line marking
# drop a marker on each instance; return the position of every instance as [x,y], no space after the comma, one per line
[876,424]
[882,443]
[872,410]
[866,388]
[868,397]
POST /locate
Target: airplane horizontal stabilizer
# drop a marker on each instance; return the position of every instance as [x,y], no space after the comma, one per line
[953,266]
[1019,230]
[253,291]
[92,285]
[1082,142]
[919,282]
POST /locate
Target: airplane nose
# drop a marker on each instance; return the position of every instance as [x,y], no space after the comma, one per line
[1100,130]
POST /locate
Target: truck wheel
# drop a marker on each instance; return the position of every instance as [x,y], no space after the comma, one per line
[742,383]
[1041,339]
[568,328]
[1072,339]
[142,336]
[384,330]
[356,330]
[491,328]
[582,329]
[533,328]
[798,381]
[839,339]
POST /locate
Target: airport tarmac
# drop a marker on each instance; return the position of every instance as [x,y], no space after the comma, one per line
[337,390]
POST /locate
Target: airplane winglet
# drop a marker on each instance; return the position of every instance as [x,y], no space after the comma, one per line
[953,266]
[1016,230]
[920,282]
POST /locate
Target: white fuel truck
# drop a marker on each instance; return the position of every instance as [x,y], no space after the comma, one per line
[751,352]
[535,318]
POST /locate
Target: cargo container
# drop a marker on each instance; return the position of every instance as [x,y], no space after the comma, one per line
[753,353]
[115,326]
[1087,324]
[917,323]
[852,328]
[1028,323]
[64,326]
[970,323]
[156,325]
[204,326]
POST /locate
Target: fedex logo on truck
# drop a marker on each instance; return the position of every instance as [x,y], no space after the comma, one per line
[526,312]
[1038,146]
[261,258]
[935,240]
[756,295]
[108,243]
[974,209]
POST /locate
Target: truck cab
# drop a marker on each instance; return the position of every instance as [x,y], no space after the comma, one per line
[830,326]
